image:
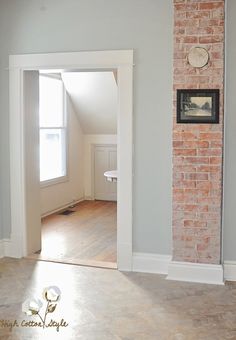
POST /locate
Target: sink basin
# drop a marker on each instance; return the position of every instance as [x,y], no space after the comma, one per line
[111,176]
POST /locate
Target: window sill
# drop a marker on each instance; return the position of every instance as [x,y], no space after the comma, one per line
[54,181]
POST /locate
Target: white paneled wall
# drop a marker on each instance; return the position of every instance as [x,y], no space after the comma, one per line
[89,142]
[105,158]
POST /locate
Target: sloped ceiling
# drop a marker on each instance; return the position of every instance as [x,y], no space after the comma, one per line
[94,98]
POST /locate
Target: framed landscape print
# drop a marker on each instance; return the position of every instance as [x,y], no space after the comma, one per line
[198,106]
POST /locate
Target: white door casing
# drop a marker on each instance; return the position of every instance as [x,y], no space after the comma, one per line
[122,61]
[32,177]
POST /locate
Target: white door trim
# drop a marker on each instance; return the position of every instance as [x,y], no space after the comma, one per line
[123,62]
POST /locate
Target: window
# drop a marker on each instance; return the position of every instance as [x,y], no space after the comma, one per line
[52,123]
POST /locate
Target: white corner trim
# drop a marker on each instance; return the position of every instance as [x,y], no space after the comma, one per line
[196,272]
[2,252]
[230,270]
[151,263]
[7,249]
[124,260]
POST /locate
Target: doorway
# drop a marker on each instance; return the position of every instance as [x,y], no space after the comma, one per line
[73,107]
[25,237]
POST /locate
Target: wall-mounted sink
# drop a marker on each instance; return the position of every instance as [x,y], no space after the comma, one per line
[111,176]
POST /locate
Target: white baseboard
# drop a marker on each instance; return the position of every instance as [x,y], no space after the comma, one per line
[151,263]
[230,270]
[196,272]
[89,198]
[65,206]
[106,197]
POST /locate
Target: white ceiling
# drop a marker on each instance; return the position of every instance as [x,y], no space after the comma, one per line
[94,98]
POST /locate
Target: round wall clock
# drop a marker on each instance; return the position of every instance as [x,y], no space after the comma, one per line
[198,57]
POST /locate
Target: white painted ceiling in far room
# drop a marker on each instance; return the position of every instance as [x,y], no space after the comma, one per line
[94,98]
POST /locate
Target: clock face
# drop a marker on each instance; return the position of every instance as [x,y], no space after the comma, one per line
[198,57]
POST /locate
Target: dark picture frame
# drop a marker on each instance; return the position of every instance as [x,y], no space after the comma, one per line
[198,106]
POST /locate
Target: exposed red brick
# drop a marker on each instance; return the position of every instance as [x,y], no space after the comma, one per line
[196,176]
[199,30]
[184,184]
[209,152]
[215,160]
[186,23]
[211,5]
[189,39]
[197,14]
[197,148]
[195,224]
[185,168]
[186,7]
[185,152]
[211,22]
[208,168]
[211,39]
[211,136]
[196,160]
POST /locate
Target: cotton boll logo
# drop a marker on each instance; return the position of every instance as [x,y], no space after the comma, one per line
[52,294]
[32,306]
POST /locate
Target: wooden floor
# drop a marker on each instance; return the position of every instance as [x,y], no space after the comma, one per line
[85,237]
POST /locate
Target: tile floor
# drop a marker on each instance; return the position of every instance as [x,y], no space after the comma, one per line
[105,304]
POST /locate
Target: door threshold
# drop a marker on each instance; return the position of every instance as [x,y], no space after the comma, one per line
[73,261]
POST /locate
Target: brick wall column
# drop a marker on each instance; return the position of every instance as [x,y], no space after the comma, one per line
[198,148]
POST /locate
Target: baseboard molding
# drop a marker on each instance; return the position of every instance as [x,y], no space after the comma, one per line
[106,197]
[196,272]
[48,213]
[156,264]
[89,198]
[151,263]
[230,270]
[101,198]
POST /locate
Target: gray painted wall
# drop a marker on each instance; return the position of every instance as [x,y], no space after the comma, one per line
[37,26]
[229,231]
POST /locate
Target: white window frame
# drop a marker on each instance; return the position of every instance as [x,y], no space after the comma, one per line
[64,178]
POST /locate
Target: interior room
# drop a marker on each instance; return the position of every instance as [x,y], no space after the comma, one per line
[117,199]
[78,151]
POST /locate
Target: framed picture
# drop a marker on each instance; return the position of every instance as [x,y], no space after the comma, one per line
[198,106]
